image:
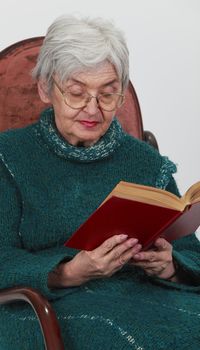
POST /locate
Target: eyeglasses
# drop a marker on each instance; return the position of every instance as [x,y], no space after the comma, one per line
[106,101]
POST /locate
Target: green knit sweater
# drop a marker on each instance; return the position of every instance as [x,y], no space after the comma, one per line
[47,189]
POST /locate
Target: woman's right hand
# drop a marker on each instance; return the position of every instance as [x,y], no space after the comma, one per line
[101,262]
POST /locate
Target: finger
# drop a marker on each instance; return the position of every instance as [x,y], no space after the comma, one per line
[109,244]
[122,253]
[152,272]
[131,243]
[157,270]
[110,263]
[125,257]
[160,265]
[149,256]
[162,248]
[162,245]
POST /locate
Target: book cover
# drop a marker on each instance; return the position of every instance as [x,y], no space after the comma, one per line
[141,220]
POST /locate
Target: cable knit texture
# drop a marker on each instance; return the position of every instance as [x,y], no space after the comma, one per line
[48,188]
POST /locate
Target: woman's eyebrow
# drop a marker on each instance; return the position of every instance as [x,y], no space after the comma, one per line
[110,82]
[73,80]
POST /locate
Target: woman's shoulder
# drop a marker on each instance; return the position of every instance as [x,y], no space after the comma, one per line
[148,159]
[14,137]
[16,145]
[132,143]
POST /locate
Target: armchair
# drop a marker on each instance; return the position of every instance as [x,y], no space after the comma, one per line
[21,106]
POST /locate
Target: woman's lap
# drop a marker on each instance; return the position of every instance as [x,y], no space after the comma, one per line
[149,318]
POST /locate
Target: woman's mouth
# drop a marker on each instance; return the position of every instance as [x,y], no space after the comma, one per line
[88,123]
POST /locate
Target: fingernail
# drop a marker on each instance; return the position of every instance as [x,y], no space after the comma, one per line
[133,240]
[123,236]
[137,247]
[137,256]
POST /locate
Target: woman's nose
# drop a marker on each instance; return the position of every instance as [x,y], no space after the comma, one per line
[92,106]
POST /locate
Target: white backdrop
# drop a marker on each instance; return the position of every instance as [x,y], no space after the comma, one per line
[164,41]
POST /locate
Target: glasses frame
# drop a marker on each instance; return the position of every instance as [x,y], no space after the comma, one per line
[63,93]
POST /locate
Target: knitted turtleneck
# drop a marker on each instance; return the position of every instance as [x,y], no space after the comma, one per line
[105,146]
[48,188]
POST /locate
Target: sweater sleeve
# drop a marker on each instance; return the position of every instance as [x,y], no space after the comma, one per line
[18,266]
[186,252]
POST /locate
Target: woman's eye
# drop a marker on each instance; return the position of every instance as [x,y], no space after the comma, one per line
[76,92]
[106,95]
[109,90]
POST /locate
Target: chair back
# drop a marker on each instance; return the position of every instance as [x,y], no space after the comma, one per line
[20,104]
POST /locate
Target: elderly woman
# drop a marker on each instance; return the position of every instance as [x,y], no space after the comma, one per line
[54,174]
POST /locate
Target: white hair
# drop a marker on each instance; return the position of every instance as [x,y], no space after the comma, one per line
[73,44]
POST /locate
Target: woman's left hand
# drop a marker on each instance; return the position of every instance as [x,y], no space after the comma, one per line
[158,261]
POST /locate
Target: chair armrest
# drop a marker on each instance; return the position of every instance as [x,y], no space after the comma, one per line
[149,137]
[43,310]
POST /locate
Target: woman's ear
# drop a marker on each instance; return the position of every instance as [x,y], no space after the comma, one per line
[43,91]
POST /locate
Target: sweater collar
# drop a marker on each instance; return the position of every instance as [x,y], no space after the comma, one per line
[103,148]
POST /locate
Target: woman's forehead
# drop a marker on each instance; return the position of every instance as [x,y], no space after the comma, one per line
[101,75]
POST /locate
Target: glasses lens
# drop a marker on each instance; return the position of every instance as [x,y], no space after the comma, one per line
[110,102]
[76,101]
[107,102]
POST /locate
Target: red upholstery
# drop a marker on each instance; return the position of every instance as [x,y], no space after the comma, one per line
[20,104]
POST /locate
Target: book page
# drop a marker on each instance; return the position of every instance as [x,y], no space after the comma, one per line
[192,195]
[148,194]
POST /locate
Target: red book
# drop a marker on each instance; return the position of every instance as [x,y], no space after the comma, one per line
[140,211]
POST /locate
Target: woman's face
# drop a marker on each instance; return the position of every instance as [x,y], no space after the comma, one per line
[85,125]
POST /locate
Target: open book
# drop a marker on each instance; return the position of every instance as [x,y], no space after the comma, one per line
[140,211]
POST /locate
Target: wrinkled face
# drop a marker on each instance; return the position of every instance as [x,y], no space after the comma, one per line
[88,124]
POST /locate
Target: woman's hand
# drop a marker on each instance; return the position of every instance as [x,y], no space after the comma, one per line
[157,262]
[101,262]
